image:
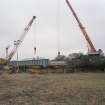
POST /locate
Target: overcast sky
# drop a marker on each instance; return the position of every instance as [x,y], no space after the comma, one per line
[54,28]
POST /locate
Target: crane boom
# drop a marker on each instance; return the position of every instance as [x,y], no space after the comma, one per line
[18,43]
[91,46]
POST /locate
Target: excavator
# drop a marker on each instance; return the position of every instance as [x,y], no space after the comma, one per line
[93,59]
[4,62]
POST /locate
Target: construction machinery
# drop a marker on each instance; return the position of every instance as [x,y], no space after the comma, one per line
[17,44]
[93,59]
[91,48]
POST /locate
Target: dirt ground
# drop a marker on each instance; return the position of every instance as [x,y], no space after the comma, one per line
[52,89]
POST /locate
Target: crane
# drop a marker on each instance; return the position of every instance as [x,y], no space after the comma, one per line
[18,42]
[91,48]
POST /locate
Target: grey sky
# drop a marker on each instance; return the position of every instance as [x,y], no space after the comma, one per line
[15,14]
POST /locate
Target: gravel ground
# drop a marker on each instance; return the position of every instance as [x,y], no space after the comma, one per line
[52,89]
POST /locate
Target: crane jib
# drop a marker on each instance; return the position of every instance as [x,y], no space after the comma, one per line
[82,28]
[18,42]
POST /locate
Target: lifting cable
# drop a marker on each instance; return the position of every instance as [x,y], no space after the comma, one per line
[58,26]
[35,40]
